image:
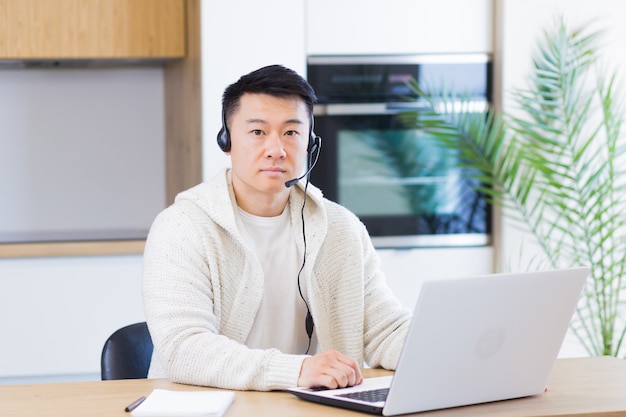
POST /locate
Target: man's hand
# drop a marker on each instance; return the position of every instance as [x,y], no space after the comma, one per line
[329,369]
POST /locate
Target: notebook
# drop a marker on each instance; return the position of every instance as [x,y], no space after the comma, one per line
[169,403]
[473,340]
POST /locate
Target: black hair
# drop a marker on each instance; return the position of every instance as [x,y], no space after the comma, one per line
[274,80]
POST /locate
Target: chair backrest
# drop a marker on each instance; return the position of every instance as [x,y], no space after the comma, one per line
[126,353]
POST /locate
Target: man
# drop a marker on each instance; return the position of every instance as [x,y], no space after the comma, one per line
[238,264]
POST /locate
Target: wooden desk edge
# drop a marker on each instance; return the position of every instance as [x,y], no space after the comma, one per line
[581,387]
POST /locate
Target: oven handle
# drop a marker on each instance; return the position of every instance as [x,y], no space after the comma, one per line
[365,109]
[357,109]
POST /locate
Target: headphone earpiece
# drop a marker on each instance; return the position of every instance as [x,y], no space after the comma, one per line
[223,136]
[314,140]
[223,139]
[314,143]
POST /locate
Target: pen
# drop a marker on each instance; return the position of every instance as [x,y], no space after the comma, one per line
[134,404]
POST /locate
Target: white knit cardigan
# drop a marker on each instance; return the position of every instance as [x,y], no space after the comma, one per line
[202,286]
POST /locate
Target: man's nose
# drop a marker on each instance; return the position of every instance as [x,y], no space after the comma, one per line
[274,146]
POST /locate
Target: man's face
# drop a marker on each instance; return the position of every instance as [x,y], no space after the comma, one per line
[269,138]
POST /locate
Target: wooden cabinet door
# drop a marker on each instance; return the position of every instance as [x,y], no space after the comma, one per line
[92,29]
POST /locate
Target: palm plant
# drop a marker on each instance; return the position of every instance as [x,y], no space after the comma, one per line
[556,166]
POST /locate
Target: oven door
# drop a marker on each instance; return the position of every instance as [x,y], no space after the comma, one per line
[402,186]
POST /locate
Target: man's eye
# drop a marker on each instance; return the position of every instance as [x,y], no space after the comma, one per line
[291,133]
[257,132]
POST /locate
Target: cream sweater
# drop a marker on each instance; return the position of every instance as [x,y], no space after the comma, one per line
[202,286]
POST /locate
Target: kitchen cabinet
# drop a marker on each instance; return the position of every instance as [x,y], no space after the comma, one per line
[91,29]
[377,27]
[89,105]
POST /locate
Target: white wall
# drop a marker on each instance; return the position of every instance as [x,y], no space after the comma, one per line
[239,36]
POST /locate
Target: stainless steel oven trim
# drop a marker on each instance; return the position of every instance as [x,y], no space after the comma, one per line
[432,241]
[353,109]
[462,58]
[367,109]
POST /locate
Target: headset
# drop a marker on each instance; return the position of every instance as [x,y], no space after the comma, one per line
[313,150]
[223,138]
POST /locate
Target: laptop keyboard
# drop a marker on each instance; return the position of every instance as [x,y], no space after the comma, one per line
[370,396]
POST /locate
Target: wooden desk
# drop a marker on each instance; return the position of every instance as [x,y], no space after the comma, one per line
[583,387]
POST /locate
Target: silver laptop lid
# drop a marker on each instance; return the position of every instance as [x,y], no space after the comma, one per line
[482,339]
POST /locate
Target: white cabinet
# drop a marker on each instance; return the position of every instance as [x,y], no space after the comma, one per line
[353,27]
[57,313]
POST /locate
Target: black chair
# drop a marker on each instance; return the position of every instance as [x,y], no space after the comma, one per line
[126,353]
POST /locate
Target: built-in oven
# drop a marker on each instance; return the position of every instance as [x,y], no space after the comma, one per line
[405,188]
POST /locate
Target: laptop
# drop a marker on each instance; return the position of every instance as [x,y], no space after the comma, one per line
[472,340]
